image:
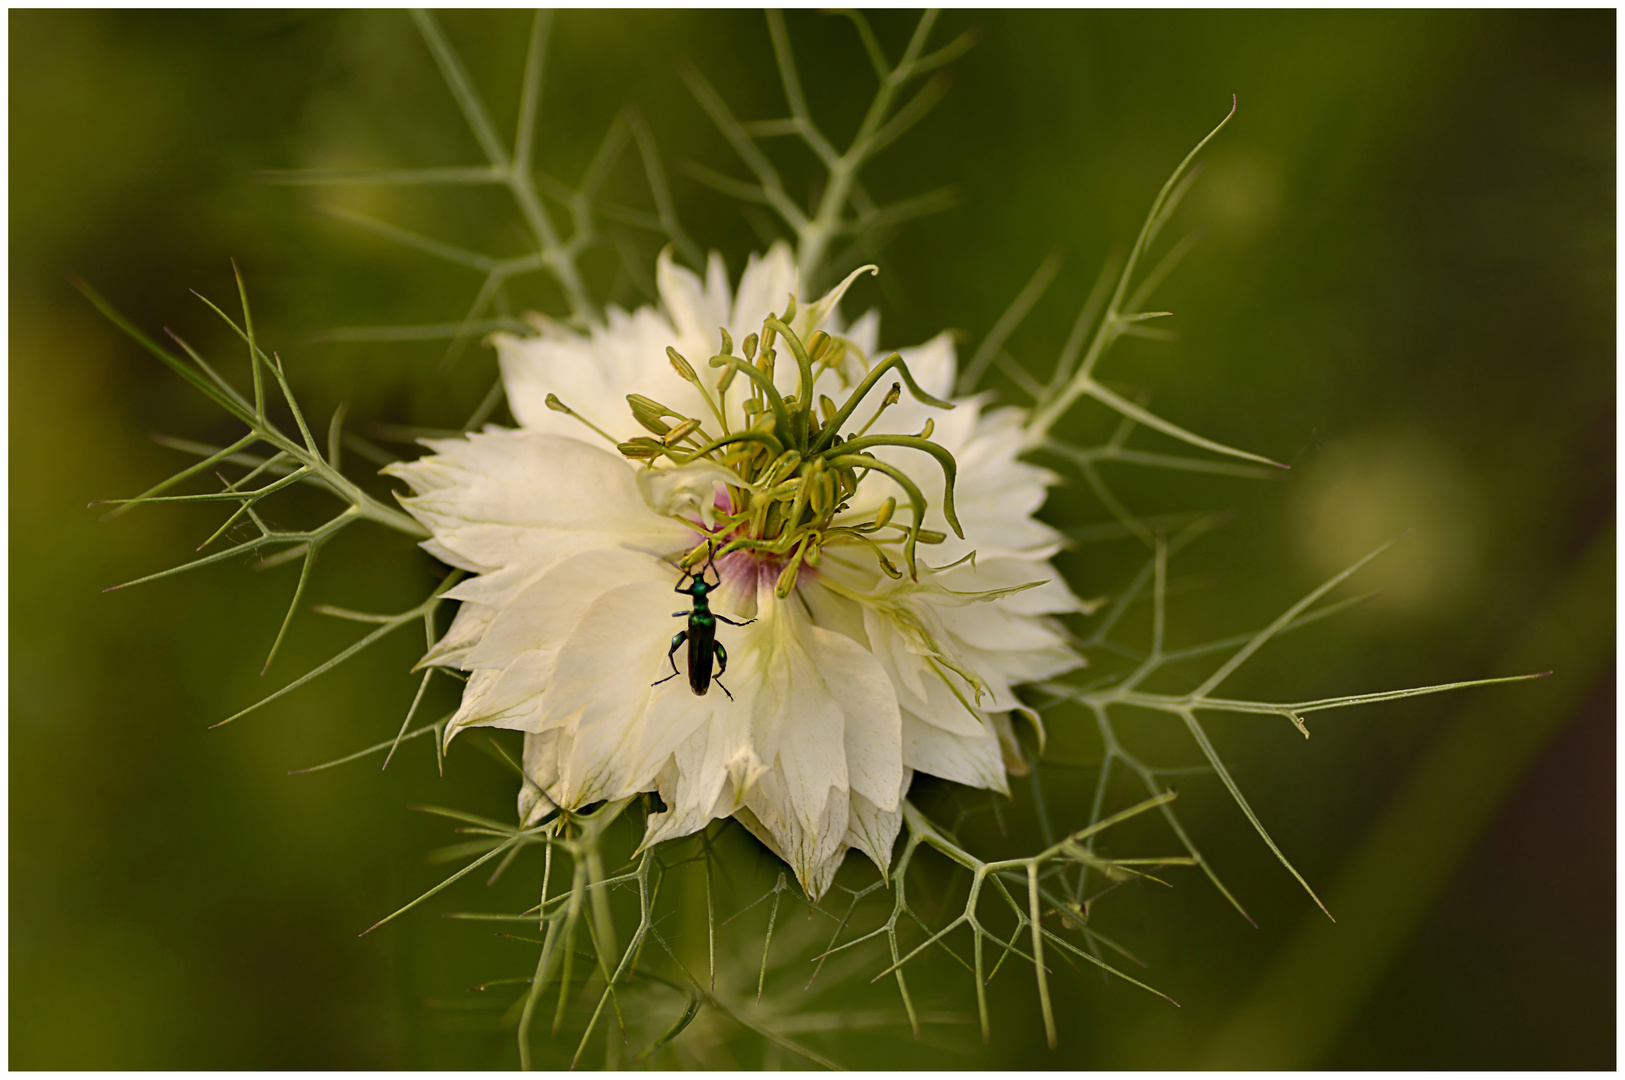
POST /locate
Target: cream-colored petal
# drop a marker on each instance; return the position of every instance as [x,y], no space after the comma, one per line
[602,684]
[593,375]
[763,288]
[519,497]
[873,723]
[697,309]
[467,628]
[968,760]
[813,847]
[541,765]
[542,616]
[872,830]
[809,691]
[687,491]
[508,697]
[706,778]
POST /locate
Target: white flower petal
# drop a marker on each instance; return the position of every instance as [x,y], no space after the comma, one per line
[520,498]
[541,765]
[697,309]
[703,780]
[542,616]
[972,760]
[687,491]
[467,628]
[872,830]
[767,282]
[602,687]
[508,697]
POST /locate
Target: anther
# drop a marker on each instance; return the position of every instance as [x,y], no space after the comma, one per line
[783,466]
[641,449]
[681,432]
[817,342]
[684,368]
[650,413]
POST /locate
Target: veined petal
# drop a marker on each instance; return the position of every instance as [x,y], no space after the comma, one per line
[543,615]
[508,697]
[521,498]
[602,687]
[872,830]
[973,760]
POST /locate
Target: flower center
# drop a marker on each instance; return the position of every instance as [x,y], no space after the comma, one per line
[793,475]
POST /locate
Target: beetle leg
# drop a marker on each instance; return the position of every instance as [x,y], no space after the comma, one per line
[671,654]
[722,666]
[731,622]
[681,614]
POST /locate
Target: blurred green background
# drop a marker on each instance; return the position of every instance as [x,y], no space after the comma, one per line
[1405,290]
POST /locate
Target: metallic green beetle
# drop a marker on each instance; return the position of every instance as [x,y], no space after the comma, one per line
[701,635]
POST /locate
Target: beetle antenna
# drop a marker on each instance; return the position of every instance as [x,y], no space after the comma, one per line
[711,562]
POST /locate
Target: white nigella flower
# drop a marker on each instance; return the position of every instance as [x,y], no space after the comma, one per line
[866,658]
